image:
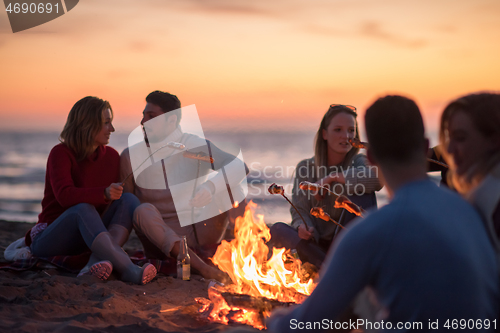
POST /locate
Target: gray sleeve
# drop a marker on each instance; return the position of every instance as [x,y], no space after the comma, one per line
[361,172]
[301,198]
[230,169]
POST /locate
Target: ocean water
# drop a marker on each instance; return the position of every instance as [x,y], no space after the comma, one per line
[270,156]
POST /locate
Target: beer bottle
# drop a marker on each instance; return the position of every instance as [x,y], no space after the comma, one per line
[183,261]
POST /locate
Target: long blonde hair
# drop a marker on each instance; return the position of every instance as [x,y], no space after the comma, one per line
[484,111]
[321,145]
[84,122]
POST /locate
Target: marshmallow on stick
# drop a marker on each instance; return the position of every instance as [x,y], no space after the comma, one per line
[320,213]
[351,207]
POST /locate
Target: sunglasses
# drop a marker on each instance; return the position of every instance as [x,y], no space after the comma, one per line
[353,108]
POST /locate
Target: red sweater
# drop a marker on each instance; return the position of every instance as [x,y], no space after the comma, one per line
[69,182]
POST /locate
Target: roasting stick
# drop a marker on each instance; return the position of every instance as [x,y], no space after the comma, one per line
[437,162]
[341,219]
[320,213]
[201,157]
[364,145]
[305,185]
[198,156]
[276,189]
[178,146]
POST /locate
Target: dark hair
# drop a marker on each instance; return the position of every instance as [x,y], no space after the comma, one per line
[84,122]
[167,102]
[395,130]
[321,146]
[484,111]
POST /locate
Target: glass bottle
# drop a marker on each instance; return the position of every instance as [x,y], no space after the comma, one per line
[183,261]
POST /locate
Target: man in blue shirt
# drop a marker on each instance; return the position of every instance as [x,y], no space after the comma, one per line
[426,255]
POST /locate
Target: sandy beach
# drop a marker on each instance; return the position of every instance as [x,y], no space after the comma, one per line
[51,300]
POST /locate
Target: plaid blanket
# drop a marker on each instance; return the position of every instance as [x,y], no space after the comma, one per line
[73,264]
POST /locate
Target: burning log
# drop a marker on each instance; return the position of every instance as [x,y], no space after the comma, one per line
[351,207]
[222,310]
[320,213]
[259,283]
[239,308]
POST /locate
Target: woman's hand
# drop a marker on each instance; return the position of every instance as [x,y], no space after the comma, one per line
[334,177]
[113,192]
[305,234]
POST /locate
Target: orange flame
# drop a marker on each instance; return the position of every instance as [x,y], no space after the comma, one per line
[245,260]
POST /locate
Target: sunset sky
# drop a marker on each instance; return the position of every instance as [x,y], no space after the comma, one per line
[256,63]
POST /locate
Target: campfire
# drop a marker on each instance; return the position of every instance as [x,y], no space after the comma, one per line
[258,284]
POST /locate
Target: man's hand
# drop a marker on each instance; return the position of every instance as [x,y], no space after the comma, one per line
[114,191]
[203,196]
[304,234]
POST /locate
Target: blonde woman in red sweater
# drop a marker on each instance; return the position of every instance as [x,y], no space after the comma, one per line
[82,180]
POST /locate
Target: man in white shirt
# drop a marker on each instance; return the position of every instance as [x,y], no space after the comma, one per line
[158,220]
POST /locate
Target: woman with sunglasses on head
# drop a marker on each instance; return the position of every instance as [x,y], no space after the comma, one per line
[336,164]
[83,206]
[470,135]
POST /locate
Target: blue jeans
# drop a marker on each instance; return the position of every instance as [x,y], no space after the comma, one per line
[74,231]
